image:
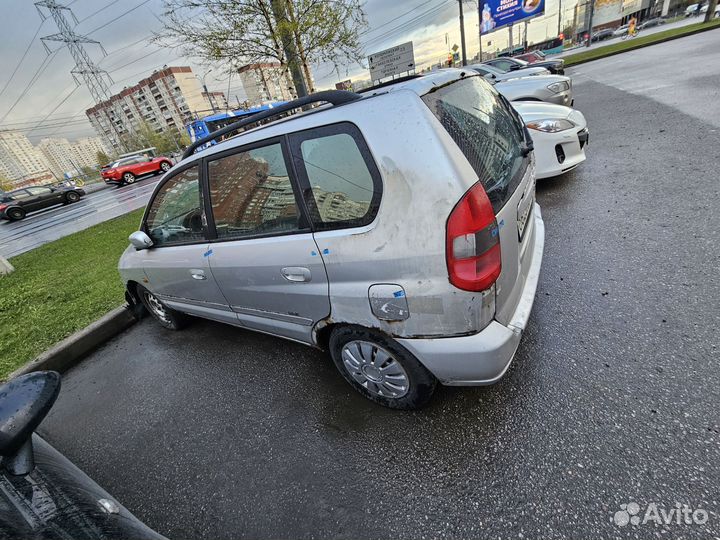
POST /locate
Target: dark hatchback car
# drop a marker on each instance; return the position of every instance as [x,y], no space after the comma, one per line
[650,23]
[556,67]
[15,205]
[602,35]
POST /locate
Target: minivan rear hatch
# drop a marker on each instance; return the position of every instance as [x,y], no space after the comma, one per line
[492,137]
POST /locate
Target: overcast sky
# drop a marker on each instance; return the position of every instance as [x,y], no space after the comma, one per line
[123,26]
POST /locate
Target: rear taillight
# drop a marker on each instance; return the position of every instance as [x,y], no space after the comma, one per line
[472,242]
[3,207]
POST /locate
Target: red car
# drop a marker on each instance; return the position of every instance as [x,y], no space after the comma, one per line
[127,170]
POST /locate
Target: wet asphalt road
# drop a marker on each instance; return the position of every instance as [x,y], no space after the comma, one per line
[39,228]
[613,397]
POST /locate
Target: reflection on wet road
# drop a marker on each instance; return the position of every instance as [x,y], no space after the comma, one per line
[48,225]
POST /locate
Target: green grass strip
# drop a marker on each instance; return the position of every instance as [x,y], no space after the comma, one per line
[59,288]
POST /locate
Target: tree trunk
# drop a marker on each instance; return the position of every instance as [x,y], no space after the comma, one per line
[288,43]
[300,48]
[711,10]
[268,15]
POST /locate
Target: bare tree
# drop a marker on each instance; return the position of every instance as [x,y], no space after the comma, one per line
[238,32]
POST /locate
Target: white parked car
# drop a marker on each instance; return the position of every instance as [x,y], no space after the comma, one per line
[559,134]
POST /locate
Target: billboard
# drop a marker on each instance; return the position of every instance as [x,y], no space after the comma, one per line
[500,13]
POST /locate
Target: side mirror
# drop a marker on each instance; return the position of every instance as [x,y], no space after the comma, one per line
[140,240]
[24,402]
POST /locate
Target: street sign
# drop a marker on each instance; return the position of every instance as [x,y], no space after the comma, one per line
[455,48]
[392,61]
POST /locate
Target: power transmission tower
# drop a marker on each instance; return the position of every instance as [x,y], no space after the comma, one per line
[96,80]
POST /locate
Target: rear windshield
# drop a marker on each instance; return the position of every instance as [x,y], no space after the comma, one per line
[486,131]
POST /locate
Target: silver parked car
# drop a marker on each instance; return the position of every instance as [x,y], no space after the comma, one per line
[494,74]
[397,229]
[550,88]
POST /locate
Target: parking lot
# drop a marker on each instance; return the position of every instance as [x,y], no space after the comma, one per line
[613,396]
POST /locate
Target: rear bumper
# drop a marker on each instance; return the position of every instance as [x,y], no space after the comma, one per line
[483,358]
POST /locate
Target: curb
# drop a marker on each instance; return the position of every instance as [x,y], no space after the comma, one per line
[643,45]
[74,348]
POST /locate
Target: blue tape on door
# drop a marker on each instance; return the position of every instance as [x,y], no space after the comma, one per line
[207,253]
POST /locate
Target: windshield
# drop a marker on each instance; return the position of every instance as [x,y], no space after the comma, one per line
[486,131]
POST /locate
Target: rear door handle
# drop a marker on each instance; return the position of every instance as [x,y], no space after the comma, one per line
[296,273]
[198,274]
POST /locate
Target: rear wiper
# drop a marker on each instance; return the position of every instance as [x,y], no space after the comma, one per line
[527,146]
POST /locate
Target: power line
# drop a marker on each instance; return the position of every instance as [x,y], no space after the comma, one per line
[117,18]
[98,11]
[371,30]
[21,59]
[55,109]
[410,23]
[45,63]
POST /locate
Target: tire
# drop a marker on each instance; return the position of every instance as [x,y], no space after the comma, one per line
[128,178]
[164,167]
[15,214]
[355,351]
[168,318]
[71,197]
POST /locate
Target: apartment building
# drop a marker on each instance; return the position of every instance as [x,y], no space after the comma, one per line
[266,82]
[217,100]
[63,156]
[20,161]
[167,99]
[86,150]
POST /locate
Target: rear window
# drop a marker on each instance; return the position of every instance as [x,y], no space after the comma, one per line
[486,132]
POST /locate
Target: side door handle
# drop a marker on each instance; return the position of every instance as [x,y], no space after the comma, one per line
[198,274]
[296,273]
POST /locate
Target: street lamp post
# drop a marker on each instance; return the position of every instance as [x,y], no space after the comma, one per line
[590,22]
[205,89]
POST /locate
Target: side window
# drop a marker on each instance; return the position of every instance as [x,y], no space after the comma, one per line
[39,190]
[342,184]
[502,64]
[251,194]
[20,195]
[175,214]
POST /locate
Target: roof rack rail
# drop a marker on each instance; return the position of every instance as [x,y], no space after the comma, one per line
[334,97]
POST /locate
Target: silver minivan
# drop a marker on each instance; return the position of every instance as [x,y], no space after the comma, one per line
[396,229]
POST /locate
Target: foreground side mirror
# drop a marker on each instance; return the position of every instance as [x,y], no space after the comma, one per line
[140,240]
[24,402]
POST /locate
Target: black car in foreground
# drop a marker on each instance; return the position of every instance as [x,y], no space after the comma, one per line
[43,496]
[15,205]
[556,67]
